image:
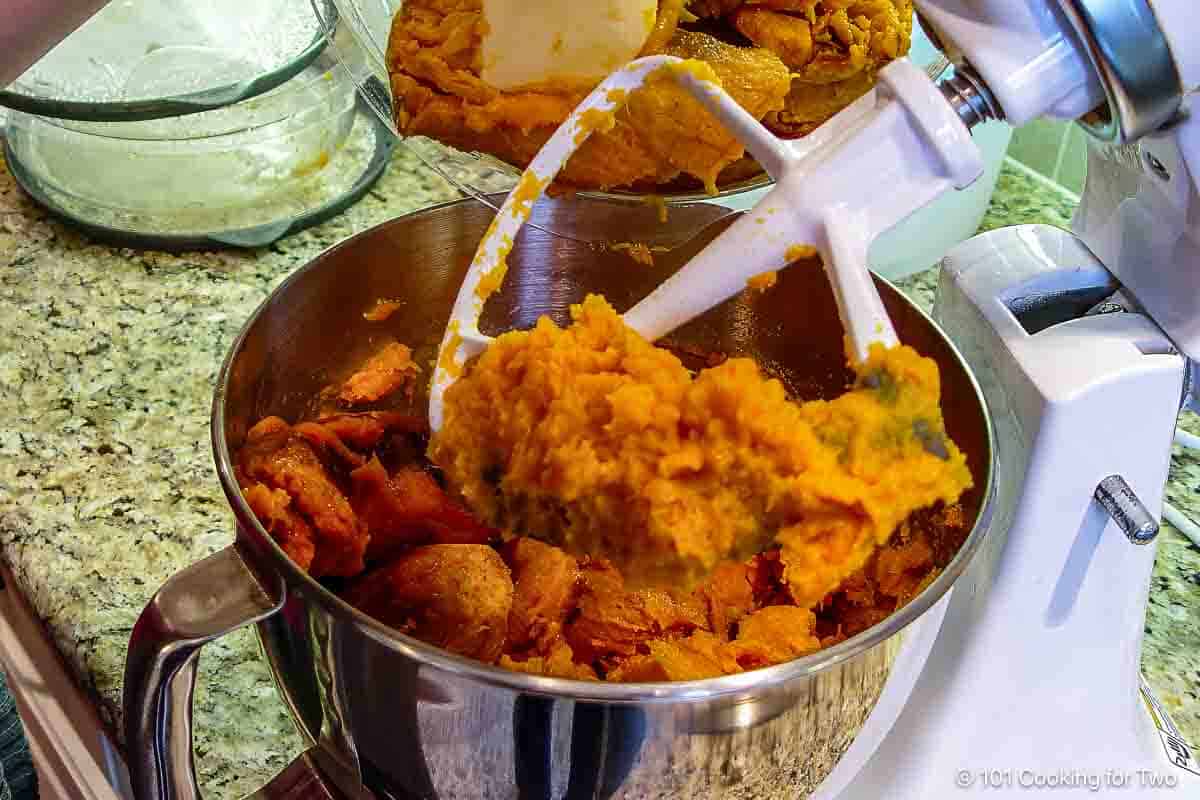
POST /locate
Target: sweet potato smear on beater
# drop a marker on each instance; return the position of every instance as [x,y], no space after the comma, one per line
[697,525]
[597,441]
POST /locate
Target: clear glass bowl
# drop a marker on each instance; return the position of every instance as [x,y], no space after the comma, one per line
[257,163]
[149,59]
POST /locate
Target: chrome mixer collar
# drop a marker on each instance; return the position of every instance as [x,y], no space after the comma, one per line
[1131,56]
[1137,69]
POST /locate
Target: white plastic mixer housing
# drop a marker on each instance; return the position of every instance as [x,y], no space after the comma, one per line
[1026,677]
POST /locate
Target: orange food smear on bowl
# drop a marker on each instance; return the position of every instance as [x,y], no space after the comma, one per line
[382,309]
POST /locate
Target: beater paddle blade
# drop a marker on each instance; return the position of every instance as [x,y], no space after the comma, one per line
[887,155]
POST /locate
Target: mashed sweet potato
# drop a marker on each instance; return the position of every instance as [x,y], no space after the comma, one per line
[790,63]
[645,478]
[598,442]
[420,563]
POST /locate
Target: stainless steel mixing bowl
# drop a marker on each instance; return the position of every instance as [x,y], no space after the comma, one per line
[390,716]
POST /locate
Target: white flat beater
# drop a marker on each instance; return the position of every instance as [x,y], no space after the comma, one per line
[885,156]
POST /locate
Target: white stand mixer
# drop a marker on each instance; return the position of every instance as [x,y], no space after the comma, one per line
[1026,676]
[1034,673]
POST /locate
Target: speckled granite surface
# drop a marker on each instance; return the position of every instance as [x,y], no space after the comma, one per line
[107,362]
[1171,653]
[107,359]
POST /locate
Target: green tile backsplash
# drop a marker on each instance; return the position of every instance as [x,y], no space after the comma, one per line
[1055,149]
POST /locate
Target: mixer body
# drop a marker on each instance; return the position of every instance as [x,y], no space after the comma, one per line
[1085,345]
[1038,656]
[1128,71]
[1024,50]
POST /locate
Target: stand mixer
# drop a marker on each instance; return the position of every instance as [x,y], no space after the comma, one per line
[1026,676]
[1032,679]
[1036,651]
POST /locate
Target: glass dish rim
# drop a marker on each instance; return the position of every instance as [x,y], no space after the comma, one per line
[267,120]
[180,104]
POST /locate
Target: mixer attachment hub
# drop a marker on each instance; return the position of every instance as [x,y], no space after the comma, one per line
[970,97]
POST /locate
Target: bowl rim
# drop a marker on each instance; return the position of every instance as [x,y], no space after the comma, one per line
[177,105]
[750,682]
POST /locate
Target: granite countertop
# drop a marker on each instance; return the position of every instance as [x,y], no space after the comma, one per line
[107,361]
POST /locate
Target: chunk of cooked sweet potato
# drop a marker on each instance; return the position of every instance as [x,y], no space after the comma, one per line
[325,440]
[366,429]
[773,635]
[274,455]
[769,636]
[900,568]
[289,529]
[409,508]
[558,663]
[701,655]
[612,622]
[454,596]
[393,515]
[546,581]
[728,595]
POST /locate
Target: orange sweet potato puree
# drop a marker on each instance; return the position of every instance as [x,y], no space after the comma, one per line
[601,443]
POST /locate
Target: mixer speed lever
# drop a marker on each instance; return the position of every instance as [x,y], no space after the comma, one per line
[1126,509]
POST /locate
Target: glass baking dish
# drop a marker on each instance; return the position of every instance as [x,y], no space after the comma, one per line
[242,174]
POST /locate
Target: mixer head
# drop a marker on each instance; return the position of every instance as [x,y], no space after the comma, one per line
[1128,73]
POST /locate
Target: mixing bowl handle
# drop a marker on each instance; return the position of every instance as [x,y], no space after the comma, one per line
[195,606]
